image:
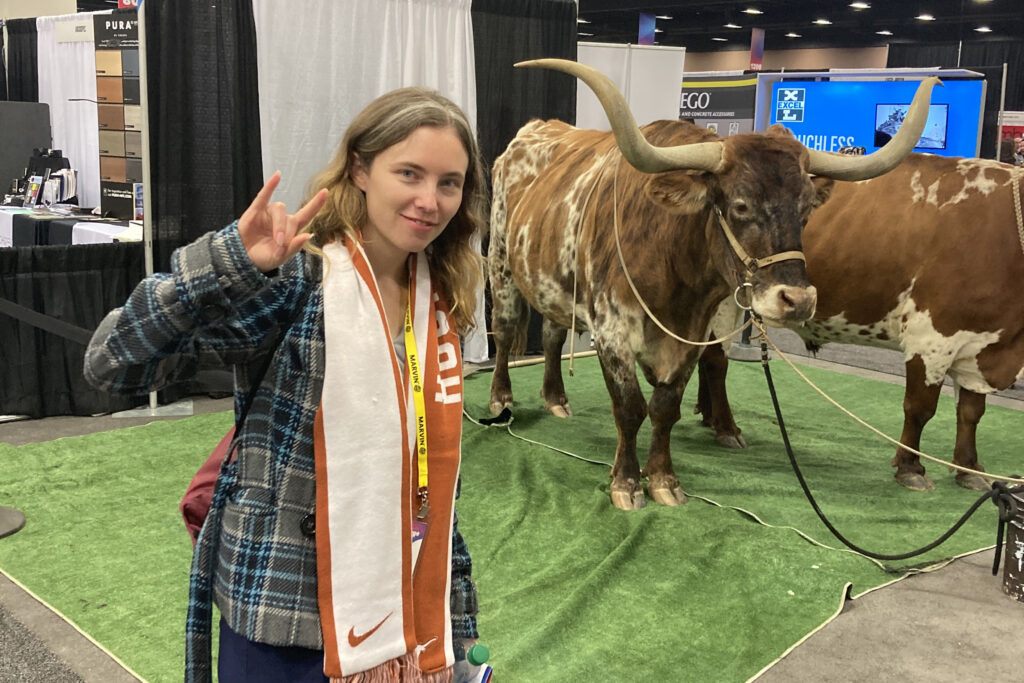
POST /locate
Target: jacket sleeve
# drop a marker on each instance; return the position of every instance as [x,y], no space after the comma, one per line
[463,593]
[213,309]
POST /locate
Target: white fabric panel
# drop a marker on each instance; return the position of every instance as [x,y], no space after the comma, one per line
[613,62]
[655,82]
[320,62]
[650,77]
[67,71]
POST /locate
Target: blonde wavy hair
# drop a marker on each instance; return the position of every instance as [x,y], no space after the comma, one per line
[455,264]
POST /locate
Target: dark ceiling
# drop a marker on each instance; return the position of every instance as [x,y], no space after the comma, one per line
[695,23]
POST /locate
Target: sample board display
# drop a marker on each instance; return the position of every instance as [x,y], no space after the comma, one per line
[119,103]
[828,115]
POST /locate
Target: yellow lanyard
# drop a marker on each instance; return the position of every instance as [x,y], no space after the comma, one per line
[421,413]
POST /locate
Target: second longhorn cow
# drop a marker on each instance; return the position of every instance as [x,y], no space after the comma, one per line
[927,261]
[596,243]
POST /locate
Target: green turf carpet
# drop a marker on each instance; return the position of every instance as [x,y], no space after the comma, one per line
[571,589]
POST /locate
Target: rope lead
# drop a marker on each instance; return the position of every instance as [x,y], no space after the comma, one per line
[1001,495]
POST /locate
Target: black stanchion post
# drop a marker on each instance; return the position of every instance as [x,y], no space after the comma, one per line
[742,350]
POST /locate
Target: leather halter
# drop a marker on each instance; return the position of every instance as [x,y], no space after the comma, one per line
[754,264]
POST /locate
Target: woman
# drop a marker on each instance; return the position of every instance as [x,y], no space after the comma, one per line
[331,548]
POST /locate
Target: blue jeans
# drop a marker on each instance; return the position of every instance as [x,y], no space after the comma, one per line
[240,660]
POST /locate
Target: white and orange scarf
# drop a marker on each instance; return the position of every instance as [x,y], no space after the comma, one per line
[373,607]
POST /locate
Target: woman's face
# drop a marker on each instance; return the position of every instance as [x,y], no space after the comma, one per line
[413,189]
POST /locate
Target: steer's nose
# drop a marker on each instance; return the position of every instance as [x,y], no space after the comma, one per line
[797,304]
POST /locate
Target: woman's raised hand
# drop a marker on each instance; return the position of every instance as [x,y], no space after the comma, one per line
[270,234]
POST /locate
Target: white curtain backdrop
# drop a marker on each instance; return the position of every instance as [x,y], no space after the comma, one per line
[321,61]
[67,71]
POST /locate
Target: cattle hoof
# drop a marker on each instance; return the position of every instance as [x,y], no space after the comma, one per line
[974,482]
[669,496]
[497,406]
[628,500]
[730,440]
[915,481]
[560,410]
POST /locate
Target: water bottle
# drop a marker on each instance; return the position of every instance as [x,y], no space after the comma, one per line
[476,669]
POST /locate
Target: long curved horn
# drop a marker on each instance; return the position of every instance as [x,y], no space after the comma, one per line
[704,156]
[842,167]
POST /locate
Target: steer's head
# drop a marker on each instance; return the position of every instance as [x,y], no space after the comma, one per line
[753,207]
[755,190]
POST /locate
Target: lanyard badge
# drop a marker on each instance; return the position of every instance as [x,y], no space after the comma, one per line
[416,379]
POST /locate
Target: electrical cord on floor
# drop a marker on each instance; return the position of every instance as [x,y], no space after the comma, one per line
[504,419]
[1000,494]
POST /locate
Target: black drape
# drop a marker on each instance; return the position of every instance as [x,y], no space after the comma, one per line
[985,57]
[926,55]
[22,60]
[505,32]
[205,155]
[41,372]
[508,31]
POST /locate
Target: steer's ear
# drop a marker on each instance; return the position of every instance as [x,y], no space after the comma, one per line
[683,192]
[822,190]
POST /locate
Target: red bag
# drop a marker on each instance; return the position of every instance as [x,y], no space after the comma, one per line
[199,494]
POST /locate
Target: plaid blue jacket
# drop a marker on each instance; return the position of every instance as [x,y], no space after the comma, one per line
[214,309]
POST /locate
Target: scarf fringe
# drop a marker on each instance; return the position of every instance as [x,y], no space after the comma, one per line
[402,669]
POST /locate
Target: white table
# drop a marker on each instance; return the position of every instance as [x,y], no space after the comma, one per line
[103,233]
[7,224]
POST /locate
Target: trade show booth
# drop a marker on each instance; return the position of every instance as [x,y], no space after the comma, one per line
[829,110]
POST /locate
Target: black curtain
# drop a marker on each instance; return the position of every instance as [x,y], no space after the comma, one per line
[923,56]
[509,31]
[22,60]
[41,372]
[205,153]
[506,32]
[985,57]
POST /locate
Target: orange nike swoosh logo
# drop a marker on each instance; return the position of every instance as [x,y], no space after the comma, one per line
[356,641]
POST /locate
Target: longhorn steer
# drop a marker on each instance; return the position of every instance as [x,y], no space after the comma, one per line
[554,237]
[927,260]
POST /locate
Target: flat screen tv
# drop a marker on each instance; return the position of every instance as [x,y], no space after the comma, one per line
[830,115]
[889,118]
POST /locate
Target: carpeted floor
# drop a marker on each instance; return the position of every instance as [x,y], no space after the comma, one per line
[570,588]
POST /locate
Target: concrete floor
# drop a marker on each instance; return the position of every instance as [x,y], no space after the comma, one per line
[952,625]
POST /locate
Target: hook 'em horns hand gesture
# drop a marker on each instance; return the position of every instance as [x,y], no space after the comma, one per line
[269,233]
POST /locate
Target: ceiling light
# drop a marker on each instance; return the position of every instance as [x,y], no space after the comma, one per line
[585,35]
[860,5]
[664,17]
[731,25]
[751,10]
[884,33]
[793,35]
[925,17]
[658,30]
[582,21]
[983,29]
[822,22]
[721,40]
